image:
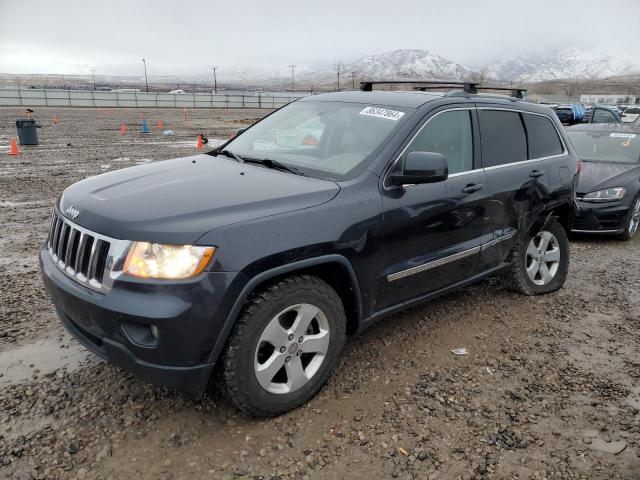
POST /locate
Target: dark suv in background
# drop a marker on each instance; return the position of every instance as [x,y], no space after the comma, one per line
[319,220]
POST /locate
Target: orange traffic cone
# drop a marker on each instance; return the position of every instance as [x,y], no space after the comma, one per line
[184,111]
[13,149]
[123,129]
[200,143]
[160,124]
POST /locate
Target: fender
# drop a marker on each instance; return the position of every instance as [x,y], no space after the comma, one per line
[275,272]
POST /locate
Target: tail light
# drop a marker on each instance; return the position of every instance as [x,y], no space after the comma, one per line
[579,169]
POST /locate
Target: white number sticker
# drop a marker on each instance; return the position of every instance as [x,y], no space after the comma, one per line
[623,135]
[382,113]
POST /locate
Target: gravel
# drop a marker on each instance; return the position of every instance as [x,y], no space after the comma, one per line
[550,387]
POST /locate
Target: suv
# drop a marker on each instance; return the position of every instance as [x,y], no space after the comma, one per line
[328,215]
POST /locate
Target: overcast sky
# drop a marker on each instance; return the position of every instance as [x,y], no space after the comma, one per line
[72,36]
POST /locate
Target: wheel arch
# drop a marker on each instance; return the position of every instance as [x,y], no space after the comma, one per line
[563,212]
[335,270]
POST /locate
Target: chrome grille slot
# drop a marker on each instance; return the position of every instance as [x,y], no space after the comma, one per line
[81,254]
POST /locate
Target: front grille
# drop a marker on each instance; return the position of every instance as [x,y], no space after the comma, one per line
[79,253]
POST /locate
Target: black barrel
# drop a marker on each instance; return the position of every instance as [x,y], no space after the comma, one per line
[27,132]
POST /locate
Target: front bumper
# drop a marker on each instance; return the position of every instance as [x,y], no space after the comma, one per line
[161,332]
[605,218]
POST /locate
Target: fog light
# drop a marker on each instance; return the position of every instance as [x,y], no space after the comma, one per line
[154,331]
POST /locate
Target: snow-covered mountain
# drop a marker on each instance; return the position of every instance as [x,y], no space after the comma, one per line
[563,64]
[422,64]
[407,64]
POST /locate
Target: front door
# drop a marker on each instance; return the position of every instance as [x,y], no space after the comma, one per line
[433,232]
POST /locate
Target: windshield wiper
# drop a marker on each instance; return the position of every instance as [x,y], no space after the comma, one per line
[230,154]
[267,162]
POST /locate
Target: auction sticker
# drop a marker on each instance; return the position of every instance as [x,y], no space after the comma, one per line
[623,135]
[382,113]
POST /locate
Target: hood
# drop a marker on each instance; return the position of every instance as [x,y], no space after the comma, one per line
[177,201]
[600,175]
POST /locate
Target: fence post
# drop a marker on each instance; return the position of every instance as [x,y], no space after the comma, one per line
[69,96]
[46,102]
[135,97]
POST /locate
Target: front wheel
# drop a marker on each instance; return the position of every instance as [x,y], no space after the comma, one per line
[540,260]
[284,346]
[633,220]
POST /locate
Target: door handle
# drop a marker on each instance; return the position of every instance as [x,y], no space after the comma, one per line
[537,173]
[472,187]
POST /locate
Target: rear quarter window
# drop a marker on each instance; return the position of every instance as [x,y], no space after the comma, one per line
[502,137]
[542,136]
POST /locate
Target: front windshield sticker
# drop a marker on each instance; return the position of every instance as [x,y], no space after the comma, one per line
[382,113]
[623,135]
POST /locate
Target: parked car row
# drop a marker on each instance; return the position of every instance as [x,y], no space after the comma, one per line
[326,216]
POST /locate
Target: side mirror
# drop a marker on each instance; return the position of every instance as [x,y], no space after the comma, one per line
[422,167]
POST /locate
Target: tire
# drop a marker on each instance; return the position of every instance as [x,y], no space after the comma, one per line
[264,380]
[528,275]
[633,219]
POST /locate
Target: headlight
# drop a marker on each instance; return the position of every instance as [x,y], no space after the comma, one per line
[607,195]
[156,260]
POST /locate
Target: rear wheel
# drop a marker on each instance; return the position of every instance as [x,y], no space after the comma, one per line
[284,346]
[633,220]
[540,260]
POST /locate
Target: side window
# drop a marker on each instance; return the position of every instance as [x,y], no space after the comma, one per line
[502,137]
[542,136]
[448,133]
[600,115]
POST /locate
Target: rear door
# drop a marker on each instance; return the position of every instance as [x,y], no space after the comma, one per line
[433,232]
[518,185]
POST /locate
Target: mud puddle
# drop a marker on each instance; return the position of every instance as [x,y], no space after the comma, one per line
[20,363]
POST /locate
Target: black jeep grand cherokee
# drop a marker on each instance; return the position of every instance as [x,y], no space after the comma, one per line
[326,216]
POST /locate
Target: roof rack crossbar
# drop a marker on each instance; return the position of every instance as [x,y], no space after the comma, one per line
[467,87]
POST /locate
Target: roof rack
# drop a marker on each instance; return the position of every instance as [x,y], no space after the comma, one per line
[467,87]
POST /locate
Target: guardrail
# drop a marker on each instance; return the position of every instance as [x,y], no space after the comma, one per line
[13,97]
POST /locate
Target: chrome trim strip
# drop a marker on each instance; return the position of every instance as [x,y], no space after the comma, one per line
[565,150]
[433,264]
[595,231]
[497,240]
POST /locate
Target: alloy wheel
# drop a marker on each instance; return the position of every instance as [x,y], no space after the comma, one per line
[542,258]
[292,348]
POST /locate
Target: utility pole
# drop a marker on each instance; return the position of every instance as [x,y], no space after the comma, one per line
[293,77]
[215,80]
[93,73]
[353,80]
[145,74]
[338,68]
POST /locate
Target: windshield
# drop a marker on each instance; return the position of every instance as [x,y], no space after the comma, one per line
[606,146]
[322,139]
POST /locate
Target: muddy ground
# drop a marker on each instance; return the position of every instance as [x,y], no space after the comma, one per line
[550,387]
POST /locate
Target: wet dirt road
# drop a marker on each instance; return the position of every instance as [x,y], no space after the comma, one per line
[550,387]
